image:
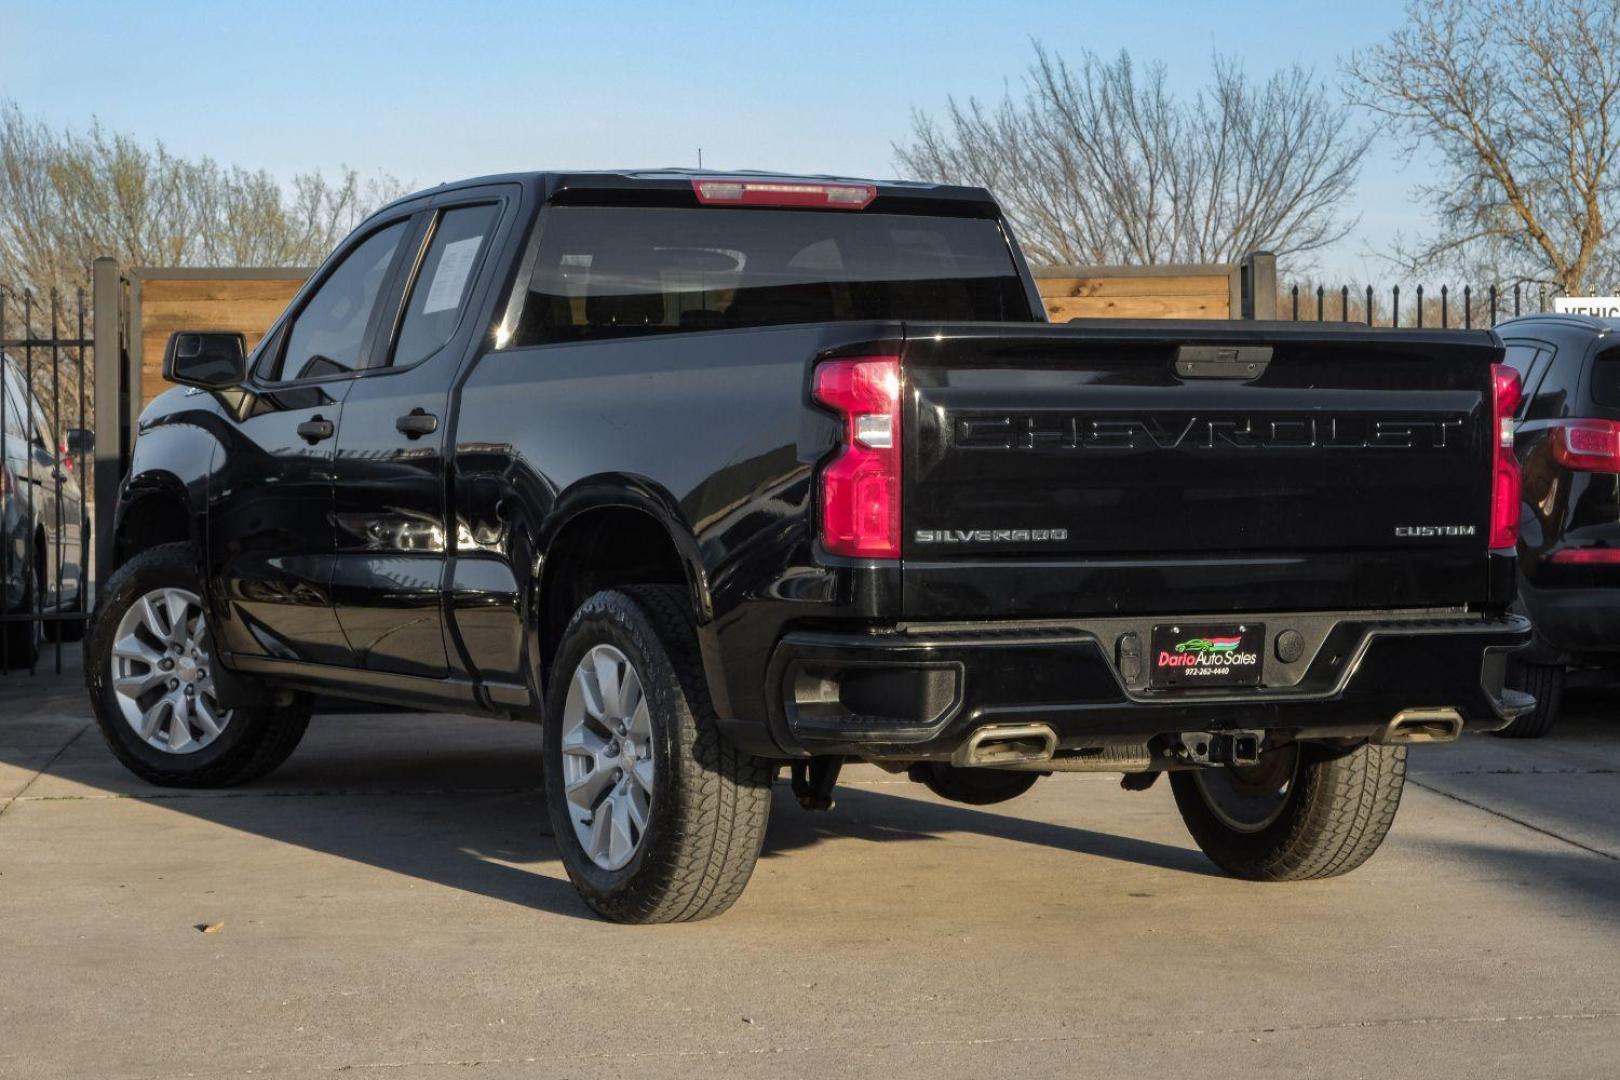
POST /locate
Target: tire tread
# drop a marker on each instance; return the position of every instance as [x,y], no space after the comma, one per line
[717,805]
[1545,683]
[1341,811]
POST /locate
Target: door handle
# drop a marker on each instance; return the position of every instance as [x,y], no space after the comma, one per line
[316,429]
[416,423]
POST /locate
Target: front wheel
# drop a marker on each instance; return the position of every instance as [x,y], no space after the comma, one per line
[1302,812]
[657,816]
[149,667]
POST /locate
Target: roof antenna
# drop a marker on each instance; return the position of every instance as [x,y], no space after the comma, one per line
[700,157]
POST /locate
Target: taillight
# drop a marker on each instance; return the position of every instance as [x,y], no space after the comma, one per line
[860,488]
[803,194]
[1587,445]
[1505,397]
[1586,557]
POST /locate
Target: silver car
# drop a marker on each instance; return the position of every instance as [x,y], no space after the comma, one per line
[44,542]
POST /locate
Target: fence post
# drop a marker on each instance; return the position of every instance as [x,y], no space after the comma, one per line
[1258,273]
[110,436]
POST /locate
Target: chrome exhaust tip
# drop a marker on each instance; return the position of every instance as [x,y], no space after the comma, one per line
[1007,744]
[1413,726]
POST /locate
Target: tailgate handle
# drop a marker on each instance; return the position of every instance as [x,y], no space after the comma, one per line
[1222,361]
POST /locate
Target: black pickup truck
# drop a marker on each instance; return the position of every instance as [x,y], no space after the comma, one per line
[713,473]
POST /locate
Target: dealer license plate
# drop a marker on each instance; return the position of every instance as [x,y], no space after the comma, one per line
[1189,655]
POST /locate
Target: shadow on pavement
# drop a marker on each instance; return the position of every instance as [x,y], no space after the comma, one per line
[1548,876]
[457,802]
[496,843]
[873,816]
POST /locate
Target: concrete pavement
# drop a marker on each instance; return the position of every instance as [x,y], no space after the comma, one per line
[388,905]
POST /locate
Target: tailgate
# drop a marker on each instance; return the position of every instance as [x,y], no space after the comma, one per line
[1190,467]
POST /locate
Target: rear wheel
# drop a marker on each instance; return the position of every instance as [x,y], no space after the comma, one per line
[1545,683]
[658,818]
[149,667]
[20,638]
[1302,812]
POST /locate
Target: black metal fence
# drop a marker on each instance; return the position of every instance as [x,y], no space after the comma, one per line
[46,505]
[1445,307]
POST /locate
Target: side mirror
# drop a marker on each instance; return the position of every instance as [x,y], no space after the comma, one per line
[211,359]
[79,441]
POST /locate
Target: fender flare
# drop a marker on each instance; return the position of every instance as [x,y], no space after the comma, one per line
[630,492]
[157,484]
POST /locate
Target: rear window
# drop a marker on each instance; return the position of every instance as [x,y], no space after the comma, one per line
[1529,361]
[620,271]
[1606,378]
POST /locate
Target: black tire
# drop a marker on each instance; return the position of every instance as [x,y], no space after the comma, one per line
[256,740]
[20,638]
[975,787]
[1545,683]
[706,820]
[1337,810]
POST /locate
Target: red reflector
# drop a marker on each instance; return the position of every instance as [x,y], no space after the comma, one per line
[860,487]
[1587,445]
[1505,397]
[1586,557]
[803,194]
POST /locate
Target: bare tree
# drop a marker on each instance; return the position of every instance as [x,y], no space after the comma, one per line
[68,197]
[1520,100]
[1101,163]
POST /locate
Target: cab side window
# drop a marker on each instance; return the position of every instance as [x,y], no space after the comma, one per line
[444,282]
[326,337]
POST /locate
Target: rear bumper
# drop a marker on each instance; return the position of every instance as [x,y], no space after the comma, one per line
[917,692]
[1572,621]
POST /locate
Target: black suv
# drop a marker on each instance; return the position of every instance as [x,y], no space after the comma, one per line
[1568,442]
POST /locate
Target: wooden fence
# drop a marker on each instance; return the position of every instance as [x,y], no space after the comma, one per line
[1209,291]
[163,301]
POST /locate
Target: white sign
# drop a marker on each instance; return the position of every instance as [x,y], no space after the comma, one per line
[1604,307]
[451,276]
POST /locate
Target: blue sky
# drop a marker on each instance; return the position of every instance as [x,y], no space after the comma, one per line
[434,91]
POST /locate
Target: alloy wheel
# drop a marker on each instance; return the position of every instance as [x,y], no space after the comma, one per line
[162,673]
[608,760]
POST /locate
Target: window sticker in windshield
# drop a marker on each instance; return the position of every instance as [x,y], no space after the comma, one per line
[451,276]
